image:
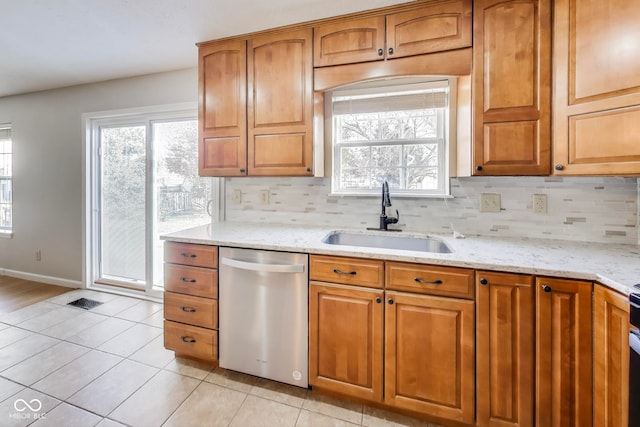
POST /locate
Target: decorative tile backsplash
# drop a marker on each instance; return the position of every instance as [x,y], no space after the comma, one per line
[588,209]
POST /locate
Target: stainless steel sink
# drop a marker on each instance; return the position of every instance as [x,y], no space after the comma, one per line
[387,241]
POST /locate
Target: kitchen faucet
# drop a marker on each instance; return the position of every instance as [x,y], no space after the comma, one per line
[384,219]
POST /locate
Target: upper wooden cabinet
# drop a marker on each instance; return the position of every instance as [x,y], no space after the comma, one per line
[610,358]
[563,353]
[280,105]
[511,87]
[434,28]
[505,356]
[596,87]
[256,106]
[222,112]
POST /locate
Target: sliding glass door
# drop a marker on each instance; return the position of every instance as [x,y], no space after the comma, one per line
[145,184]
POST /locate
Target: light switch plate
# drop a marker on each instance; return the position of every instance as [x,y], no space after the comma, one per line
[490,202]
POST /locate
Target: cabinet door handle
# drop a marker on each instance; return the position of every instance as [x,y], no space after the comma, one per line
[428,282]
[185,280]
[390,301]
[479,168]
[380,52]
[559,167]
[546,288]
[188,309]
[484,281]
[188,255]
[188,340]
[353,273]
[378,300]
[390,51]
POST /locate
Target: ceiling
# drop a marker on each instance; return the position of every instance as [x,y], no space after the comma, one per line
[46,44]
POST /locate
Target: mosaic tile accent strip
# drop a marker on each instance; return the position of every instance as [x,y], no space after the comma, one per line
[591,209]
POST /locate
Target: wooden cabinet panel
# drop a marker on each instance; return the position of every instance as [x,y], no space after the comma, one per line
[429,279]
[345,340]
[191,310]
[197,281]
[190,254]
[349,271]
[512,88]
[429,355]
[610,358]
[349,42]
[280,104]
[222,115]
[191,341]
[596,87]
[563,353]
[435,28]
[505,333]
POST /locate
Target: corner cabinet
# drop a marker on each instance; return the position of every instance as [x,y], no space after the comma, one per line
[256,106]
[610,358]
[596,87]
[434,28]
[511,87]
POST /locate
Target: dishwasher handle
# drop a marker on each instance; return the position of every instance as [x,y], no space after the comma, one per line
[265,268]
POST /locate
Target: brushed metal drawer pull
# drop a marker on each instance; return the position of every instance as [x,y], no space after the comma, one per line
[185,280]
[187,255]
[188,309]
[427,282]
[188,340]
[353,273]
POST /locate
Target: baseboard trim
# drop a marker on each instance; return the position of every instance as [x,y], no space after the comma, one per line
[76,284]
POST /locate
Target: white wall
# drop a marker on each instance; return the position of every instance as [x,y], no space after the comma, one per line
[47,145]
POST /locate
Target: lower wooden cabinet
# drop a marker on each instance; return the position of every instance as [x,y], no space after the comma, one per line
[505,331]
[345,339]
[563,353]
[610,358]
[429,355]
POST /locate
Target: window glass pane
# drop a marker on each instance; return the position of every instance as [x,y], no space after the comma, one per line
[181,194]
[5,203]
[123,202]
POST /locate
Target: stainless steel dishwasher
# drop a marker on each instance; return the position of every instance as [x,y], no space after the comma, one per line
[263,325]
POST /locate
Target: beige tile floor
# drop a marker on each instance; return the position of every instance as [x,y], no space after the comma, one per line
[107,367]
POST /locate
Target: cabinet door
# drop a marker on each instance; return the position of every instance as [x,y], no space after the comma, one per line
[345,340]
[436,28]
[349,42]
[222,113]
[610,358]
[597,87]
[429,355]
[563,353]
[505,349]
[280,104]
[511,87]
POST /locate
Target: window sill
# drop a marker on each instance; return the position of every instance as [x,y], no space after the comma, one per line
[6,235]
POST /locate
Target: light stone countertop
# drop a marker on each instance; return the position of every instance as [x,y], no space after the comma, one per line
[616,266]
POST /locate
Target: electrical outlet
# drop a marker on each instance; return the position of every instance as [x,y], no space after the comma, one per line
[540,203]
[38,255]
[264,197]
[490,202]
[237,196]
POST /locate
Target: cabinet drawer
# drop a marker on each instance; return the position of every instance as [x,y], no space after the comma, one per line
[429,279]
[202,282]
[350,271]
[190,254]
[191,341]
[192,310]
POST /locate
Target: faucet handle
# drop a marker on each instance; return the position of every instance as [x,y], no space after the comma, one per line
[396,219]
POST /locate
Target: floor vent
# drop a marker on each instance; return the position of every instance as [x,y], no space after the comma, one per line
[85,303]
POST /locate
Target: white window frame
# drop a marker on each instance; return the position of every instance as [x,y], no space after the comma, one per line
[5,134]
[445,139]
